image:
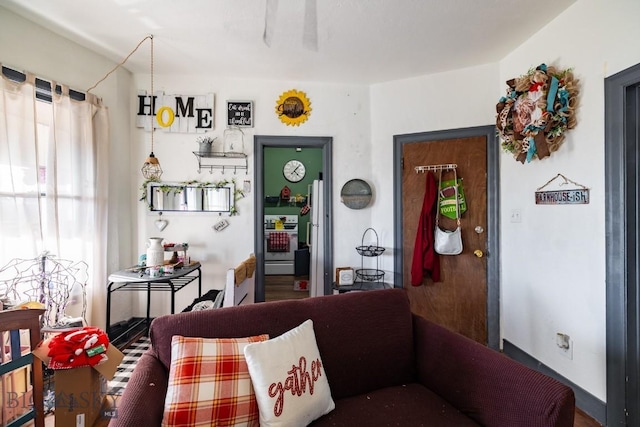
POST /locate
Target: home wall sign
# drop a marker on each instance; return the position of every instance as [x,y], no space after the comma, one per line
[175,113]
[293,108]
[240,113]
[575,196]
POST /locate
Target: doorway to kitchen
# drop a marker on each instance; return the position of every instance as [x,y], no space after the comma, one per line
[286,167]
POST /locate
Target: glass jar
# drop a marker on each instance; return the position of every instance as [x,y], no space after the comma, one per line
[234,140]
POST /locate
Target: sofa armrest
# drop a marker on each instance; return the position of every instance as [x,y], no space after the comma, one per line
[142,402]
[486,385]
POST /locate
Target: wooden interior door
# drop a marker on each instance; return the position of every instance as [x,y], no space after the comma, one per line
[459,300]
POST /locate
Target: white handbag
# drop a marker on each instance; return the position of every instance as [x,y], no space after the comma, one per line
[448,242]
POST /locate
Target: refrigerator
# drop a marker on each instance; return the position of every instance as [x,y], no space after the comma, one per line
[315,240]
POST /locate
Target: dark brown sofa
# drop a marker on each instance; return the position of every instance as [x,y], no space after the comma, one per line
[385,366]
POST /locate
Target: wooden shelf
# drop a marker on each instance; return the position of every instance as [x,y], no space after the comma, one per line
[224,161]
[361,286]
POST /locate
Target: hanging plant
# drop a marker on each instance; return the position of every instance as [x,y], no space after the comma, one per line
[536,112]
[205,144]
[144,191]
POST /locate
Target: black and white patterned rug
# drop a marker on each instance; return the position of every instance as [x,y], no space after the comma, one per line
[131,356]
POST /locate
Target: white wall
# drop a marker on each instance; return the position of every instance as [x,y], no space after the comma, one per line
[26,46]
[338,111]
[553,262]
[458,99]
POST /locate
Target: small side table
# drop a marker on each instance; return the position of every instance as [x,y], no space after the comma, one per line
[127,280]
[361,286]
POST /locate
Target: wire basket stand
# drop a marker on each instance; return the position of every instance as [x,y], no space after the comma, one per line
[369,274]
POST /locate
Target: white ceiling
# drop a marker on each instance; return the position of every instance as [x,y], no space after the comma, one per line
[358,41]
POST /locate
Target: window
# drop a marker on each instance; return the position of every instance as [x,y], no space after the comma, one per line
[51,197]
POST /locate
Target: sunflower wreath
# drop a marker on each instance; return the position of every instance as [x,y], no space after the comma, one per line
[536,112]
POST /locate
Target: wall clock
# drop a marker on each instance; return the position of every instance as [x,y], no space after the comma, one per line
[294,171]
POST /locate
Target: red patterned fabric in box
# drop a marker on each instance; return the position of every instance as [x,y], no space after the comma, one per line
[278,241]
[209,383]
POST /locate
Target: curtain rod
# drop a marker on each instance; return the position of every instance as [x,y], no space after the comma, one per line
[448,166]
[43,87]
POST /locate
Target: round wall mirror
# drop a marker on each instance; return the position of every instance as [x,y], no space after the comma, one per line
[356,194]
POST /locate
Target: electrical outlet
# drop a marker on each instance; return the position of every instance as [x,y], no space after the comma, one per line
[564,345]
[516,215]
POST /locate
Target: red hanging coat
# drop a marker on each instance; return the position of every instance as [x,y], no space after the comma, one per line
[425,258]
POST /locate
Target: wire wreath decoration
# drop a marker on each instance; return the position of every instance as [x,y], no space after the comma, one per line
[47,280]
[538,109]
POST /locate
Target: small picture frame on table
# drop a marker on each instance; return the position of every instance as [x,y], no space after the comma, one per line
[344,276]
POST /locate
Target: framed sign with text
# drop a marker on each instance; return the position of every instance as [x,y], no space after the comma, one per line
[240,113]
[563,196]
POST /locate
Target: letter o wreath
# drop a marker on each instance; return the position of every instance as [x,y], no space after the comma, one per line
[160,117]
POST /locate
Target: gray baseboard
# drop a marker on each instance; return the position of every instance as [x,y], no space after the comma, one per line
[587,402]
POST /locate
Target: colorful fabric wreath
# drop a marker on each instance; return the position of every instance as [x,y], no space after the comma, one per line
[537,110]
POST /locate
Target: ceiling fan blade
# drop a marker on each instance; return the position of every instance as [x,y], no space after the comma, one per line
[310,35]
[270,21]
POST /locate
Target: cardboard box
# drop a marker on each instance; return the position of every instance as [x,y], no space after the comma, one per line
[79,396]
[80,392]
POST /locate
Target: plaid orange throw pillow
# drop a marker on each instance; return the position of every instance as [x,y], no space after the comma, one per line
[209,383]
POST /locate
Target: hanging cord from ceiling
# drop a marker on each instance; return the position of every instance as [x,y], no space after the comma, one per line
[151,169]
[152,99]
[150,37]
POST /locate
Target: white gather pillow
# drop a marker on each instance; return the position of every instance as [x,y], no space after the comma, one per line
[289,379]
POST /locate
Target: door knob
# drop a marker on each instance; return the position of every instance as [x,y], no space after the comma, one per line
[478,253]
[479,229]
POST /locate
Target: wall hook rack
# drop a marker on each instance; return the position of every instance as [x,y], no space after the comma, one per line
[434,168]
[223,161]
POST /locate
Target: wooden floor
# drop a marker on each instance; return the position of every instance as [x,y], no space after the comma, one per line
[583,420]
[281,287]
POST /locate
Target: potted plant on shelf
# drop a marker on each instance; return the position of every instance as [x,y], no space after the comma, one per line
[205,144]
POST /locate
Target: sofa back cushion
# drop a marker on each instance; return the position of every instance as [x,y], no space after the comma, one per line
[365,338]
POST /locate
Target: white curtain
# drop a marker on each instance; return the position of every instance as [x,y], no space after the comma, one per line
[54,183]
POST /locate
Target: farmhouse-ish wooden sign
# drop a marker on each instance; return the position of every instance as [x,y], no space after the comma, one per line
[575,196]
[563,197]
